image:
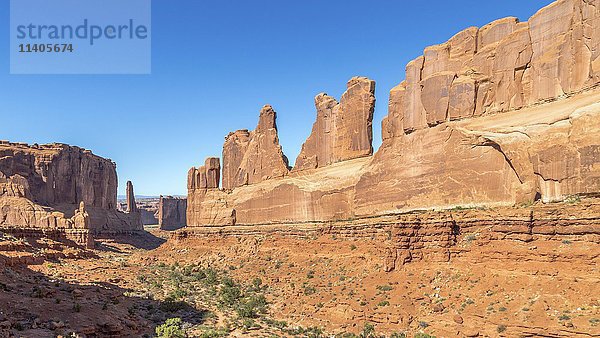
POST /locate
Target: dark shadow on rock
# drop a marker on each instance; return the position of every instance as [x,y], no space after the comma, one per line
[140,240]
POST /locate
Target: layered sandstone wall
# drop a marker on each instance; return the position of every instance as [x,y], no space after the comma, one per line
[252,157]
[440,236]
[56,186]
[172,212]
[503,66]
[496,116]
[342,131]
[58,174]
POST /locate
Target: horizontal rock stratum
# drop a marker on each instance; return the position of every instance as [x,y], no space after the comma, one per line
[498,115]
[59,188]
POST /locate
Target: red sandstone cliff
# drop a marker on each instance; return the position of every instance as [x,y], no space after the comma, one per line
[497,115]
[342,131]
[172,212]
[56,186]
[252,157]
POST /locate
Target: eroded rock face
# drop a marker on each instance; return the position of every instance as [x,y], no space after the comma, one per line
[59,174]
[234,150]
[206,176]
[501,115]
[343,130]
[252,157]
[131,205]
[56,186]
[503,66]
[172,212]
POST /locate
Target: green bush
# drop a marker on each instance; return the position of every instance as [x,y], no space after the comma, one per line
[229,295]
[368,331]
[384,288]
[170,329]
[252,307]
[398,335]
[171,305]
[423,335]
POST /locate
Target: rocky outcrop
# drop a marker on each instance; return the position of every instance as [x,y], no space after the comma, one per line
[206,176]
[342,131]
[57,174]
[206,203]
[505,65]
[59,187]
[252,157]
[147,208]
[234,149]
[434,236]
[172,212]
[499,115]
[131,205]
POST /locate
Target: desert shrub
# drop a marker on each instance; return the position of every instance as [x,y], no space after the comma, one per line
[229,295]
[423,335]
[309,290]
[398,335]
[313,332]
[177,294]
[256,283]
[211,276]
[573,199]
[214,333]
[170,329]
[171,305]
[281,325]
[252,307]
[368,331]
[383,303]
[248,323]
[501,328]
[564,317]
[385,288]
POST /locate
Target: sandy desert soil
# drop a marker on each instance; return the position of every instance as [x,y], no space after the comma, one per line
[269,286]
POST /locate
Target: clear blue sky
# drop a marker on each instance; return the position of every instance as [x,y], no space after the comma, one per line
[216,63]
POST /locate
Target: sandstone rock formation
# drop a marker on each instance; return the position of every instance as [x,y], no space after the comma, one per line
[172,212]
[58,174]
[252,157]
[42,185]
[234,149]
[505,65]
[131,206]
[498,115]
[206,176]
[342,131]
[206,203]
[147,208]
